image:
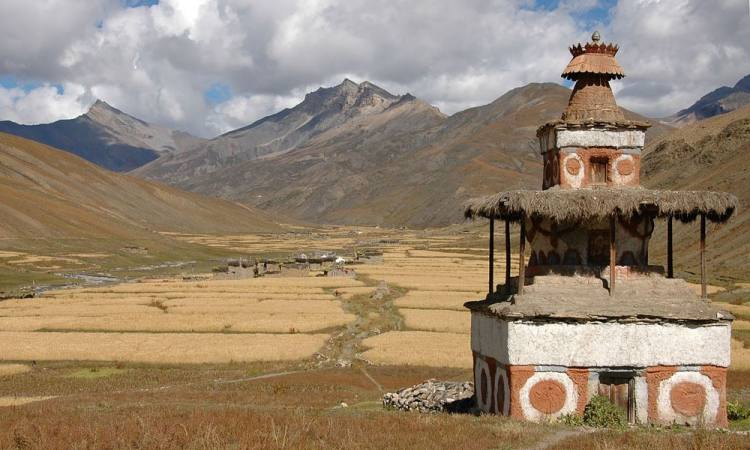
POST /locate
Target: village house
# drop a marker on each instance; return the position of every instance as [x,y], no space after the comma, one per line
[587,313]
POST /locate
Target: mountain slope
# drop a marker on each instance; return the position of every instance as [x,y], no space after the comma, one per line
[718,101]
[107,137]
[398,167]
[709,154]
[322,114]
[45,192]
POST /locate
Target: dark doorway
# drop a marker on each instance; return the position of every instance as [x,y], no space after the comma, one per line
[619,389]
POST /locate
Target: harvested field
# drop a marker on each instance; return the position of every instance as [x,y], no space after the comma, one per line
[202,359]
[7,254]
[18,401]
[13,369]
[284,306]
[419,348]
[740,359]
[163,323]
[157,348]
[451,300]
[437,320]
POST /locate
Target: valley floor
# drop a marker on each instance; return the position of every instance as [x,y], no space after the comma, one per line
[229,361]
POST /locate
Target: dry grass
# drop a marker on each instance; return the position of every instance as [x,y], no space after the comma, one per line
[348,293]
[287,322]
[173,348]
[654,439]
[292,411]
[18,401]
[452,300]
[740,356]
[710,288]
[419,348]
[6,254]
[437,320]
[35,308]
[741,325]
[13,369]
[739,311]
[34,259]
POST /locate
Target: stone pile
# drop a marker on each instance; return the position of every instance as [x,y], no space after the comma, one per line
[433,396]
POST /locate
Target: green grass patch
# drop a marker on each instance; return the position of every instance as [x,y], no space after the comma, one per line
[93,373]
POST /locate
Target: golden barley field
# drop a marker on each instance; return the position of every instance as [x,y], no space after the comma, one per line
[174,321]
[209,319]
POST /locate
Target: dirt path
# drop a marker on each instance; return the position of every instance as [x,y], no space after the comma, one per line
[375,314]
[555,438]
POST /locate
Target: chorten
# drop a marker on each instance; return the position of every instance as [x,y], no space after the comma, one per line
[588,314]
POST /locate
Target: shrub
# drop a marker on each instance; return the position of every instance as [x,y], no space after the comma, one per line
[600,412]
[736,411]
[571,419]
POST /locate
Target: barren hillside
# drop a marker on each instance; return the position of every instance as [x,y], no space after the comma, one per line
[45,192]
[402,166]
[709,154]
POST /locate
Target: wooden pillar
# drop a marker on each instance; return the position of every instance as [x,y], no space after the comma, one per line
[521,257]
[612,255]
[507,255]
[492,258]
[704,291]
[670,265]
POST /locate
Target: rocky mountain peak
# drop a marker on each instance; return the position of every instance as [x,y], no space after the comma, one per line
[102,107]
[743,84]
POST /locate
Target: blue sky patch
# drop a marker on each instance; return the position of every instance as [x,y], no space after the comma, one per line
[10,82]
[137,3]
[586,18]
[217,93]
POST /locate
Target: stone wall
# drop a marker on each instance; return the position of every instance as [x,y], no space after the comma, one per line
[531,371]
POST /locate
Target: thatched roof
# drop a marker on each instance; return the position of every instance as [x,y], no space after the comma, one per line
[593,63]
[564,205]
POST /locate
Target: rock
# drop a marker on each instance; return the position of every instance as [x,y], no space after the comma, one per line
[344,405]
[433,396]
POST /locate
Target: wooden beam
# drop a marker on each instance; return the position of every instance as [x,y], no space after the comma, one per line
[704,291]
[670,265]
[507,255]
[612,255]
[492,258]
[521,257]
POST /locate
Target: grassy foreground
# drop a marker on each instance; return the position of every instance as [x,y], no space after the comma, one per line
[272,406]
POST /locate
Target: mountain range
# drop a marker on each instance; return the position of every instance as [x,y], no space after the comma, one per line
[356,154]
[719,101]
[107,137]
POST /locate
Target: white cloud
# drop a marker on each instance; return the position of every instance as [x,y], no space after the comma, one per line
[157,62]
[44,103]
[243,110]
[675,51]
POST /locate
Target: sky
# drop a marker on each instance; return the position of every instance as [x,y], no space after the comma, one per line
[209,66]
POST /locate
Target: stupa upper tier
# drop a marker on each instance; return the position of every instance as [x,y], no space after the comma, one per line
[592,66]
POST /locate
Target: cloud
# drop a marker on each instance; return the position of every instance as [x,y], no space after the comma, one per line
[44,104]
[242,110]
[160,62]
[675,51]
